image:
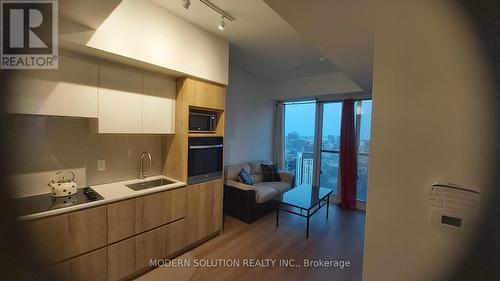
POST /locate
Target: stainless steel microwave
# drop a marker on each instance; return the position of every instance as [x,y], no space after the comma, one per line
[202,121]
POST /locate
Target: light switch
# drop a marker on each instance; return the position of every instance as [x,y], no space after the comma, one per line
[101,165]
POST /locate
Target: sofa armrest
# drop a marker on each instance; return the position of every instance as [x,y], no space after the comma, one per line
[239,185]
[287,177]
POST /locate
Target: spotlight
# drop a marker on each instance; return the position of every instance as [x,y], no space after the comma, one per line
[186,4]
[222,24]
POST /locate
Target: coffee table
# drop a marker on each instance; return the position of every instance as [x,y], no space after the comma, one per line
[306,198]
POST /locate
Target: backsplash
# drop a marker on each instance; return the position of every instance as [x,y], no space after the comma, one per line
[41,145]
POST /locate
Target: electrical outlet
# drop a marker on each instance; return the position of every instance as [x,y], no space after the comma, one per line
[101,165]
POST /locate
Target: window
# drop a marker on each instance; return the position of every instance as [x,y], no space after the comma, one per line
[299,140]
[363,126]
[330,145]
[300,120]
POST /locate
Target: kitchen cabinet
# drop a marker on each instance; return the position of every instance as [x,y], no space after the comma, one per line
[160,243]
[149,245]
[121,259]
[70,90]
[204,209]
[204,95]
[61,237]
[176,236]
[120,100]
[121,220]
[159,208]
[158,105]
[89,267]
[133,101]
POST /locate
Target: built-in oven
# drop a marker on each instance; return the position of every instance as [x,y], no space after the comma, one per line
[202,121]
[204,159]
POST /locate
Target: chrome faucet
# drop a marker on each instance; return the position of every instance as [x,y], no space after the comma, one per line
[143,174]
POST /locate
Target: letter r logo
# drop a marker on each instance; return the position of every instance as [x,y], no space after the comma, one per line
[27,27]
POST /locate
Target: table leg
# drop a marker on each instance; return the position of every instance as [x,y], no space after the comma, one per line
[307,227]
[277,216]
[327,204]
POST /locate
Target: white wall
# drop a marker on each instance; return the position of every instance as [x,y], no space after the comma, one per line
[249,119]
[142,31]
[432,120]
[312,86]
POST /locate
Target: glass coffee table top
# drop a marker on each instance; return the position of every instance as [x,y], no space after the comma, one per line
[304,196]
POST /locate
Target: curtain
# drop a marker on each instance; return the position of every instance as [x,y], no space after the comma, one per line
[278,135]
[348,157]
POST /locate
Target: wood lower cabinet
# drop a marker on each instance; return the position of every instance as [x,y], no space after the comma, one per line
[88,267]
[65,236]
[117,241]
[204,209]
[160,208]
[159,243]
[121,260]
[121,220]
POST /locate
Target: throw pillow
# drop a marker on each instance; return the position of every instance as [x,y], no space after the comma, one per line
[245,177]
[270,173]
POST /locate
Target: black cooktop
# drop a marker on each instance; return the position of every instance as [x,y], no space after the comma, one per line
[45,202]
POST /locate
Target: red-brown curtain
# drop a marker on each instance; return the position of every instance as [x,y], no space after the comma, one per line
[348,158]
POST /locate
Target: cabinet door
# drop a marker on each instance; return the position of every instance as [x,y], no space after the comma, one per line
[121,260]
[88,267]
[160,208]
[120,220]
[149,245]
[204,209]
[120,100]
[65,236]
[70,90]
[158,105]
[205,95]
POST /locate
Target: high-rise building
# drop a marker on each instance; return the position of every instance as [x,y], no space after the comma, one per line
[304,168]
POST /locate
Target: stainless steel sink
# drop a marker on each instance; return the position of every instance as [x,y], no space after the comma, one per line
[148,184]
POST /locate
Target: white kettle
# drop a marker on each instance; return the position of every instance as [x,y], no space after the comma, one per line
[63,187]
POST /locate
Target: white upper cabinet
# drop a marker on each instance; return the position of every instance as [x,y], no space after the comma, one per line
[158,105]
[134,102]
[70,90]
[120,100]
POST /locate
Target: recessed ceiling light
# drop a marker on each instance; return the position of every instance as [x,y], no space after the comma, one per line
[296,65]
[222,24]
[186,4]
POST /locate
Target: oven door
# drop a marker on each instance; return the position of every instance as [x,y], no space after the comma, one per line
[204,159]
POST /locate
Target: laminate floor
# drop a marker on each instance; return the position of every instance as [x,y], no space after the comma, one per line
[338,238]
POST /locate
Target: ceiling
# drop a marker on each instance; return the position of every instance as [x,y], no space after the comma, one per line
[261,42]
[342,30]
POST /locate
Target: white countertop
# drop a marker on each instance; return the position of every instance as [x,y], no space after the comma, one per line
[111,192]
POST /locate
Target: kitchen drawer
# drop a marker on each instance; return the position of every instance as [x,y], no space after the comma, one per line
[160,208]
[121,217]
[121,258]
[176,237]
[62,237]
[149,245]
[88,267]
[160,243]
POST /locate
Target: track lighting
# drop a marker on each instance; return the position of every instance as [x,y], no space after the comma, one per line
[222,24]
[186,4]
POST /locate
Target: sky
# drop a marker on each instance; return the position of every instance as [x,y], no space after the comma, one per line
[300,118]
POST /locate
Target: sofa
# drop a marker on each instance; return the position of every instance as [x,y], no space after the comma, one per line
[251,202]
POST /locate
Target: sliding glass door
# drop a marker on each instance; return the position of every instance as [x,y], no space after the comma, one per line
[300,122]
